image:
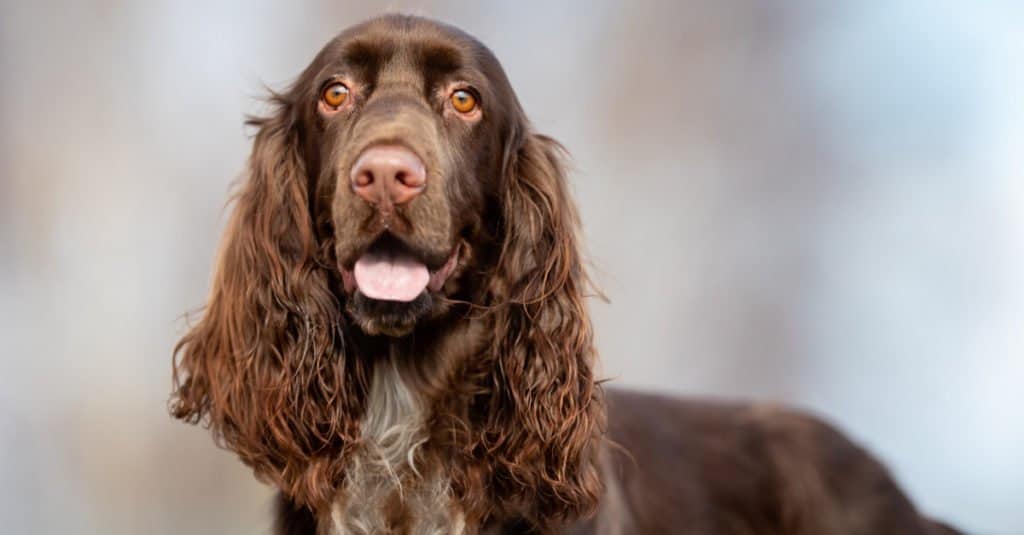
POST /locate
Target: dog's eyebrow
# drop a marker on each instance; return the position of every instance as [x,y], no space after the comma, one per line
[367,52]
[440,58]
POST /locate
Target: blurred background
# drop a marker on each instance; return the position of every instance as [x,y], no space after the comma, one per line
[820,203]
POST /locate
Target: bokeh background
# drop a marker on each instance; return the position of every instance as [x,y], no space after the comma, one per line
[820,203]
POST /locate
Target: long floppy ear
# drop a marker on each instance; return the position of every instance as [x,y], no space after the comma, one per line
[546,412]
[264,368]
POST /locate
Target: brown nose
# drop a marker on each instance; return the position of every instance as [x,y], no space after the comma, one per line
[387,175]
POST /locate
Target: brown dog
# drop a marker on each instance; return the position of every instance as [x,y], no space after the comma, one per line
[397,337]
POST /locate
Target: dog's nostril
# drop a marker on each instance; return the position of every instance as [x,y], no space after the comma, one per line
[363,179]
[414,180]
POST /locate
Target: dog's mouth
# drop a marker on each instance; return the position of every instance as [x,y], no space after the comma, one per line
[390,271]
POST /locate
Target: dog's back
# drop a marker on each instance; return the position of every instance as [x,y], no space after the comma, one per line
[678,466]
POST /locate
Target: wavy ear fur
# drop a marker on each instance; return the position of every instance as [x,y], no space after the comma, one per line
[545,411]
[265,368]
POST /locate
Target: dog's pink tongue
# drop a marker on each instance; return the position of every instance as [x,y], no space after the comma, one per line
[390,277]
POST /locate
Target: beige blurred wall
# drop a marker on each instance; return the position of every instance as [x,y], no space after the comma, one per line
[817,203]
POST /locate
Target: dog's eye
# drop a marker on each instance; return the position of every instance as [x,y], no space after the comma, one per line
[335,94]
[463,101]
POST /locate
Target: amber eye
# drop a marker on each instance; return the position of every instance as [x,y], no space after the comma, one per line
[335,94]
[463,101]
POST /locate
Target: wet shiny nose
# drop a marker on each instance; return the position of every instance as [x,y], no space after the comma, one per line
[387,175]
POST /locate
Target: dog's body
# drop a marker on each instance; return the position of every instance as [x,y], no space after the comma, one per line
[397,336]
[698,468]
[694,467]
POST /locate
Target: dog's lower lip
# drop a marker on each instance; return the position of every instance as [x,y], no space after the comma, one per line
[348,279]
[440,276]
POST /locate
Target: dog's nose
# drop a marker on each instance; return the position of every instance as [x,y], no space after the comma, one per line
[388,175]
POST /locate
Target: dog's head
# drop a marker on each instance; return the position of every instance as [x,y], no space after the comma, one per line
[406,129]
[398,188]
[401,130]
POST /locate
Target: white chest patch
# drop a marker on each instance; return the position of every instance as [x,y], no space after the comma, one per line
[385,491]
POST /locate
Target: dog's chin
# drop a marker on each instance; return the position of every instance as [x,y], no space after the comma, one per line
[388,318]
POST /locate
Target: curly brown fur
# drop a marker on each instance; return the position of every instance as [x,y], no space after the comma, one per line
[266,367]
[527,409]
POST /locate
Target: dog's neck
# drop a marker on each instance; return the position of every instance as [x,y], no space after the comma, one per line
[393,481]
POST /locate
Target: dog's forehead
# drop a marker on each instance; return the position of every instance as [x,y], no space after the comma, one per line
[408,41]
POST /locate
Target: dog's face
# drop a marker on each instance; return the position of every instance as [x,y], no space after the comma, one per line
[397,189]
[406,124]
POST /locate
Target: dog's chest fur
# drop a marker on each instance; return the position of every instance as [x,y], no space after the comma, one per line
[388,488]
